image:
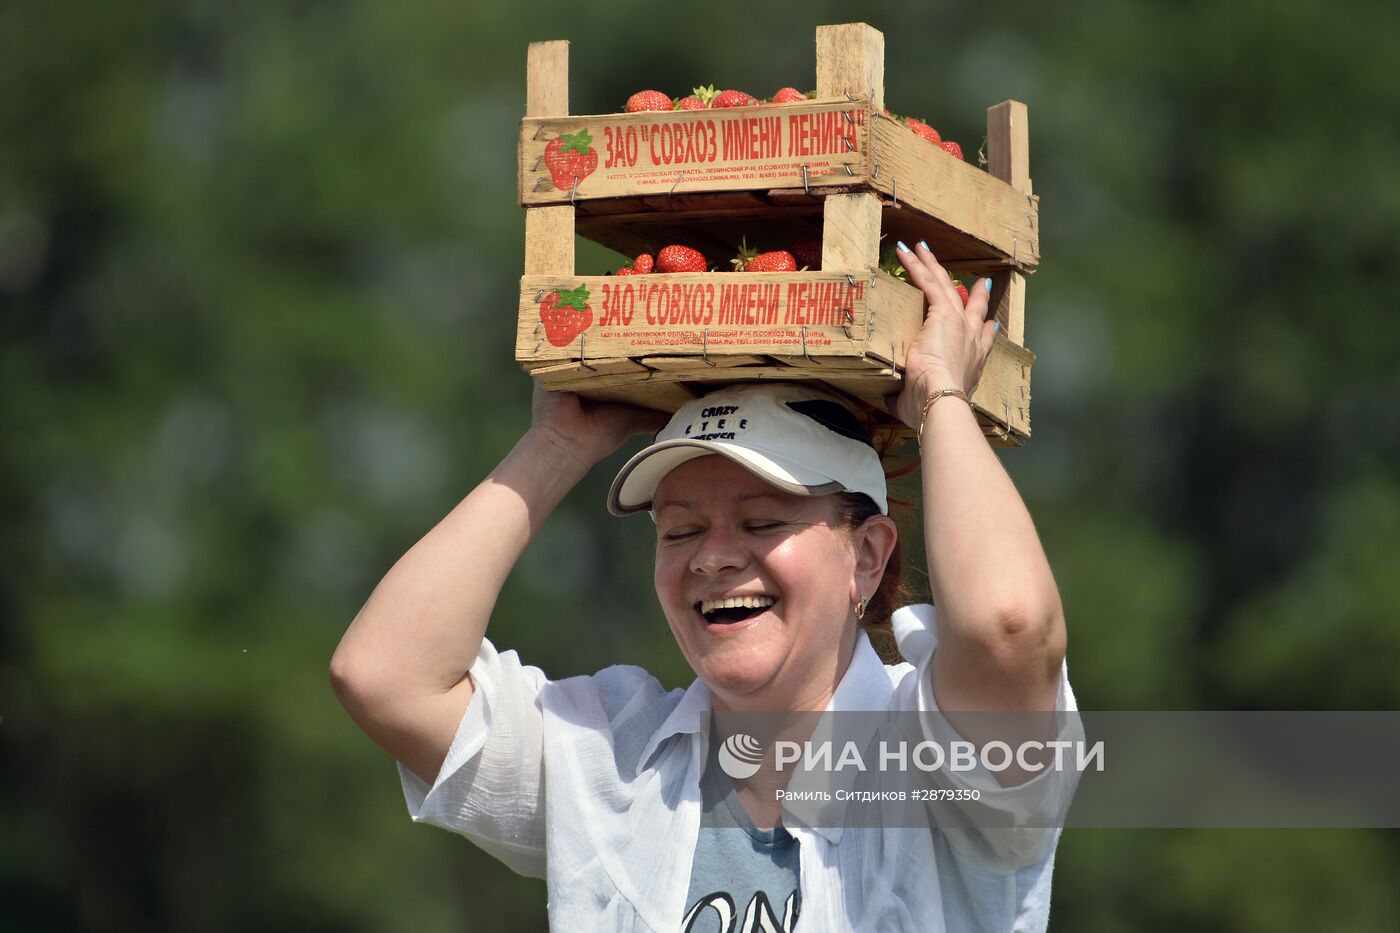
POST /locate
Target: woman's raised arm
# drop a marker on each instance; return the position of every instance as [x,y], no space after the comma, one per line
[1001,629]
[401,668]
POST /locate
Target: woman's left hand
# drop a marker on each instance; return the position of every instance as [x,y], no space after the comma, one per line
[955,341]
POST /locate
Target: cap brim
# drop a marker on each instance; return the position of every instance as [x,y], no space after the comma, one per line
[634,488]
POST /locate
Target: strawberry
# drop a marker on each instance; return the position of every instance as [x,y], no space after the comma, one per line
[639,266]
[648,100]
[565,314]
[570,159]
[921,128]
[778,260]
[789,95]
[949,146]
[675,258]
[808,252]
[751,260]
[962,291]
[733,99]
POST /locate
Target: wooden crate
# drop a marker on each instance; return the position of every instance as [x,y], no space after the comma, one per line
[833,167]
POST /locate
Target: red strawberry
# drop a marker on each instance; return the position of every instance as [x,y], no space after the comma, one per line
[733,99]
[639,266]
[921,128]
[648,100]
[570,159]
[962,291]
[789,95]
[808,252]
[751,260]
[778,260]
[949,146]
[680,259]
[565,314]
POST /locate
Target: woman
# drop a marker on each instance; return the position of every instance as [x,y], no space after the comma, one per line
[772,540]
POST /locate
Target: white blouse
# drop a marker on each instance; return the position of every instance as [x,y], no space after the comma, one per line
[611,764]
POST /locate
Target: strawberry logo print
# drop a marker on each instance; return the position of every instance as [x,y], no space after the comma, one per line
[565,314]
[570,159]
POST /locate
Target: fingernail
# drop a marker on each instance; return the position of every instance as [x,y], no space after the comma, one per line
[925,246]
[988,283]
[996,328]
[899,245]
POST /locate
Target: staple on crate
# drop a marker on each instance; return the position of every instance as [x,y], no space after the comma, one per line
[538,130]
[804,342]
[539,164]
[581,361]
[894,190]
[573,190]
[705,347]
[804,180]
[847,167]
[542,183]
[673,186]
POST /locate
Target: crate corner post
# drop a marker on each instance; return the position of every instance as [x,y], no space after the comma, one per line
[1008,158]
[851,62]
[549,230]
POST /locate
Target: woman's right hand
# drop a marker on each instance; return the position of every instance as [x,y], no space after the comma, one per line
[584,431]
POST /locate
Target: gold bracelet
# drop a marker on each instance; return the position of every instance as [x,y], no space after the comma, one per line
[928,403]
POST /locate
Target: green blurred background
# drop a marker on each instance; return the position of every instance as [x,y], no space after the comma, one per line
[258,267]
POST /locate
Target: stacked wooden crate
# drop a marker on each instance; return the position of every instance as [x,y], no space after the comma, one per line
[835,167]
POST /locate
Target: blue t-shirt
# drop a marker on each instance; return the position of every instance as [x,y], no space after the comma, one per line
[744,879]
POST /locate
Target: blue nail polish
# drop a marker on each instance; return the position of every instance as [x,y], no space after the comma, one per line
[996,328]
[925,246]
[901,247]
[988,283]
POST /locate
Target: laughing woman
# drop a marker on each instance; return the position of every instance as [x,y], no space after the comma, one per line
[774,551]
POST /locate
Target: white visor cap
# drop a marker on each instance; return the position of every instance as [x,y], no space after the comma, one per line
[801,440]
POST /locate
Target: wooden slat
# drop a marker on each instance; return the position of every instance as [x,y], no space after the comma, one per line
[851,62]
[925,178]
[573,371]
[742,148]
[693,364]
[1003,392]
[549,232]
[798,313]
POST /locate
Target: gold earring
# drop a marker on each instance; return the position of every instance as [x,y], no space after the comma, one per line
[860,608]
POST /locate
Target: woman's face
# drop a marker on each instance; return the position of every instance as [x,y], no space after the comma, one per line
[759,585]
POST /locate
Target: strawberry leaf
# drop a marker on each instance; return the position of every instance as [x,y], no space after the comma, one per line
[573,297]
[579,142]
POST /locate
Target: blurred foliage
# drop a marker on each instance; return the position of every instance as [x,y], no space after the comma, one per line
[257,266]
